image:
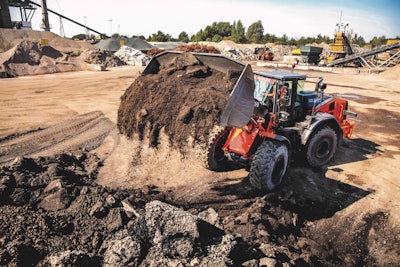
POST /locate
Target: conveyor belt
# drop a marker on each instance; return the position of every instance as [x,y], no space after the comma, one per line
[357,56]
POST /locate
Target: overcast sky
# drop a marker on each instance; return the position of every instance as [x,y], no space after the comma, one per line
[295,18]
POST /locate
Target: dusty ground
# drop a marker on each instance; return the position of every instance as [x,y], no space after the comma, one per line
[350,208]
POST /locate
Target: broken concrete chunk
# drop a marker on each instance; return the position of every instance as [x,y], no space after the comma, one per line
[122,249]
[170,221]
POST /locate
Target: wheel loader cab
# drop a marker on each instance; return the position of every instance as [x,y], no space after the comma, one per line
[276,92]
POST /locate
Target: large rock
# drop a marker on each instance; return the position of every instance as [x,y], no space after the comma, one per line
[177,236]
[121,250]
[165,221]
[219,254]
[7,186]
[57,197]
[70,258]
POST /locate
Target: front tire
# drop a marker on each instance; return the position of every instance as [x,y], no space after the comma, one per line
[321,147]
[269,166]
[216,160]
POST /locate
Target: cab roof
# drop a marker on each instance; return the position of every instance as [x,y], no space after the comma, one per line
[281,75]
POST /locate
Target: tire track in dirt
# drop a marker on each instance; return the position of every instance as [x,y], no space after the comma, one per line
[84,131]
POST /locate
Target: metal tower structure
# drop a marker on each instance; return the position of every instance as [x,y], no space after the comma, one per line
[26,12]
[45,17]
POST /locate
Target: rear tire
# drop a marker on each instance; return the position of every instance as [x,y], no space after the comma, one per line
[216,160]
[269,166]
[321,147]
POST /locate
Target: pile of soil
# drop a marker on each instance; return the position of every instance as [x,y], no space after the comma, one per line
[198,48]
[101,57]
[11,37]
[52,213]
[30,58]
[184,99]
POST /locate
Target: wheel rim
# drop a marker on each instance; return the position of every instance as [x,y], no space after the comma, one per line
[323,149]
[278,171]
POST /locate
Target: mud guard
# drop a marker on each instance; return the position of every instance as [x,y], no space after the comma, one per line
[240,106]
[317,121]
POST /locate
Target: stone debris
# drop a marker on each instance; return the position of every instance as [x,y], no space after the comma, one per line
[132,56]
[32,58]
[101,57]
[67,220]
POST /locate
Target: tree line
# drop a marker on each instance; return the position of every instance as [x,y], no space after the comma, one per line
[237,33]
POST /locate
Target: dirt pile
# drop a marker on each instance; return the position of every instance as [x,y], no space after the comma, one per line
[52,213]
[184,99]
[101,57]
[391,73]
[30,57]
[10,38]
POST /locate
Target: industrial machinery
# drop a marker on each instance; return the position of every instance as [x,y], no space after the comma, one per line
[263,53]
[27,10]
[341,44]
[269,119]
[286,121]
[307,54]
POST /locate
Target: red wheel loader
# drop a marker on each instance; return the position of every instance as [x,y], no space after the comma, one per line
[269,118]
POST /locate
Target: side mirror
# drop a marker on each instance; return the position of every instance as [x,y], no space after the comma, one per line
[322,86]
[318,84]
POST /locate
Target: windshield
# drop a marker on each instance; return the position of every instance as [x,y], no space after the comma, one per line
[263,87]
[300,85]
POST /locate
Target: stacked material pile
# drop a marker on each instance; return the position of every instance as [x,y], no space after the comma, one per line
[132,56]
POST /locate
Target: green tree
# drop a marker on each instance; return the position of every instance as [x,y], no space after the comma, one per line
[199,36]
[377,41]
[221,29]
[283,40]
[183,37]
[255,32]
[292,41]
[269,38]
[80,36]
[358,39]
[217,38]
[160,37]
[238,33]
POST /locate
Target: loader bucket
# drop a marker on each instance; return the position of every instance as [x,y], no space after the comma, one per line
[239,108]
[216,61]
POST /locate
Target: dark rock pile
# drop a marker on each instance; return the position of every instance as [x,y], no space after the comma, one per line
[52,213]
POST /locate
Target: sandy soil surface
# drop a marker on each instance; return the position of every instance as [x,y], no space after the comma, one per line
[351,206]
